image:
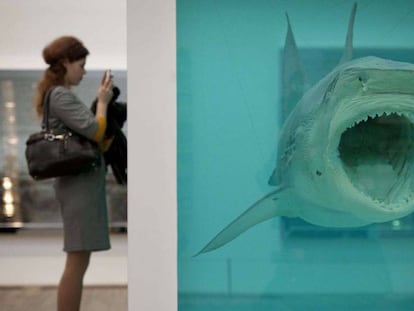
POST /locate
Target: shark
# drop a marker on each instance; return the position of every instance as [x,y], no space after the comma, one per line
[345,155]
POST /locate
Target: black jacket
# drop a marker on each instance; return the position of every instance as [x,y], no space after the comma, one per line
[116,155]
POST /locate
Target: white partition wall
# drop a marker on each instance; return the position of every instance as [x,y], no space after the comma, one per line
[152,155]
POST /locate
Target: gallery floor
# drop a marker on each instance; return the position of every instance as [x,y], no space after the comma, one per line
[44,298]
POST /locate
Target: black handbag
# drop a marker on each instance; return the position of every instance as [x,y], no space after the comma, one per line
[55,153]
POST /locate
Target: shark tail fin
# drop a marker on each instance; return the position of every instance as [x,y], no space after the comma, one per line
[347,55]
[293,86]
[260,211]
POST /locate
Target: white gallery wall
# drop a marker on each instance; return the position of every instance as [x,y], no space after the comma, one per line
[27,26]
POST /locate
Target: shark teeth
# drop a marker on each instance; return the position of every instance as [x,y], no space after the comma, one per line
[373,115]
[376,151]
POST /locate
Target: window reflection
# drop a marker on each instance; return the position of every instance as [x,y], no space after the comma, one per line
[25,202]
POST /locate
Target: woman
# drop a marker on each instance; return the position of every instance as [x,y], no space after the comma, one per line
[82,197]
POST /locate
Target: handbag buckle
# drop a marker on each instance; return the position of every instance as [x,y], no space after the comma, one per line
[52,137]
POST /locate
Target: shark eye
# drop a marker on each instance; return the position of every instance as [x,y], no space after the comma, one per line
[363,82]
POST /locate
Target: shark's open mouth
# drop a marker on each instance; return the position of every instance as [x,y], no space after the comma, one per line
[377,154]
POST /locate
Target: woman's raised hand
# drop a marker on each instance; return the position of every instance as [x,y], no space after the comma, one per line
[105,89]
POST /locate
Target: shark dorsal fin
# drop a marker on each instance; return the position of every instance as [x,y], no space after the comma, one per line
[347,55]
[293,80]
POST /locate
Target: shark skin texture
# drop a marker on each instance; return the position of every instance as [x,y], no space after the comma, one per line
[346,148]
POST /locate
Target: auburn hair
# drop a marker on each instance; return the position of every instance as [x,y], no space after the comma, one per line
[54,54]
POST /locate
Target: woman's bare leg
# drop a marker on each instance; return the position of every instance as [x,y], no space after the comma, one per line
[71,283]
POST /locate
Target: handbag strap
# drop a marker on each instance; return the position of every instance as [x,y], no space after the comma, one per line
[46,104]
[46,111]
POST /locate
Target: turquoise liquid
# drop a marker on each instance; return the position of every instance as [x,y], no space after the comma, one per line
[229,58]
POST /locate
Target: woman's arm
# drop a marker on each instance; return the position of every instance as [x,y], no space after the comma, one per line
[104,96]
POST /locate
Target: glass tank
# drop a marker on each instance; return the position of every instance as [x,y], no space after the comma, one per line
[295,155]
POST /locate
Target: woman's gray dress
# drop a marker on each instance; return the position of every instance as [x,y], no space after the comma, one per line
[82,197]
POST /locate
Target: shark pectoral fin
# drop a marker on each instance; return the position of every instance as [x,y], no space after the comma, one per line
[260,211]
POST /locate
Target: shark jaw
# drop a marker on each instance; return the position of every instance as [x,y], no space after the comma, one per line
[376,150]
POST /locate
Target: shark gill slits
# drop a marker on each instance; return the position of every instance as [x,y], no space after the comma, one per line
[330,90]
